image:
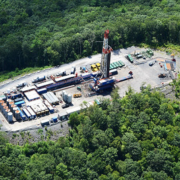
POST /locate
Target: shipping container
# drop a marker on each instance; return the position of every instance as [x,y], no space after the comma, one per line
[113,72]
[31,112]
[44,84]
[18,99]
[14,96]
[64,78]
[19,104]
[104,82]
[42,91]
[51,109]
[27,113]
[65,83]
[86,75]
[45,122]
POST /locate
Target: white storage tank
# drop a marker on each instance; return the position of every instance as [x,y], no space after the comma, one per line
[65,96]
[69,98]
[63,92]
[10,117]
[14,110]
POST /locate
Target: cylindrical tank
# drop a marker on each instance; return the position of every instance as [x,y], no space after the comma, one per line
[3,107]
[12,106]
[17,115]
[1,103]
[10,103]
[65,96]
[69,98]
[6,113]
[10,117]
[14,110]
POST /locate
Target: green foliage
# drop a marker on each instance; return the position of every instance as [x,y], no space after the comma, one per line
[135,137]
[40,33]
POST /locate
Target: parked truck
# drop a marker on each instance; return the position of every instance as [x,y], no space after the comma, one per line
[38,79]
[22,84]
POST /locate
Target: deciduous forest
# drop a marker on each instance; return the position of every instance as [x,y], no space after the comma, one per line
[132,138]
[36,33]
[136,137]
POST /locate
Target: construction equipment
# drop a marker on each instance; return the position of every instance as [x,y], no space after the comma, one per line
[94,68]
[98,65]
[77,95]
[162,75]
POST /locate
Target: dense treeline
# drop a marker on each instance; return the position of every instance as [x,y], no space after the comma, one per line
[133,138]
[50,32]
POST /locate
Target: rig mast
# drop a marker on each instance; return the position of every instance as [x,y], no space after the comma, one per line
[106,56]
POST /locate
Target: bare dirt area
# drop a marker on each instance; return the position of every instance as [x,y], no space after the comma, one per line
[45,133]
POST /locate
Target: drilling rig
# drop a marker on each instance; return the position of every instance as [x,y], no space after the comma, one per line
[106,56]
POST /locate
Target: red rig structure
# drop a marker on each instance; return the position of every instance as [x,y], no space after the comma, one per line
[106,56]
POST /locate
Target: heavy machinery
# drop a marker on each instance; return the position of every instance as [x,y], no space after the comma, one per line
[98,65]
[106,56]
[94,68]
[77,95]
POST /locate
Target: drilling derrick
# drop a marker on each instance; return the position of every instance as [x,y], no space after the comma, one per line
[106,56]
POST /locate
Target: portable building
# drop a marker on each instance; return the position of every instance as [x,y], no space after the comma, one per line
[64,78]
[31,112]
[28,88]
[42,91]
[32,95]
[44,122]
[27,113]
[51,109]
[44,84]
[75,109]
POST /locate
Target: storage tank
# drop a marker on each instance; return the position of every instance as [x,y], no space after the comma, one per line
[1,103]
[11,107]
[10,117]
[65,96]
[3,107]
[11,103]
[69,98]
[14,110]
[6,113]
[8,101]
[17,115]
